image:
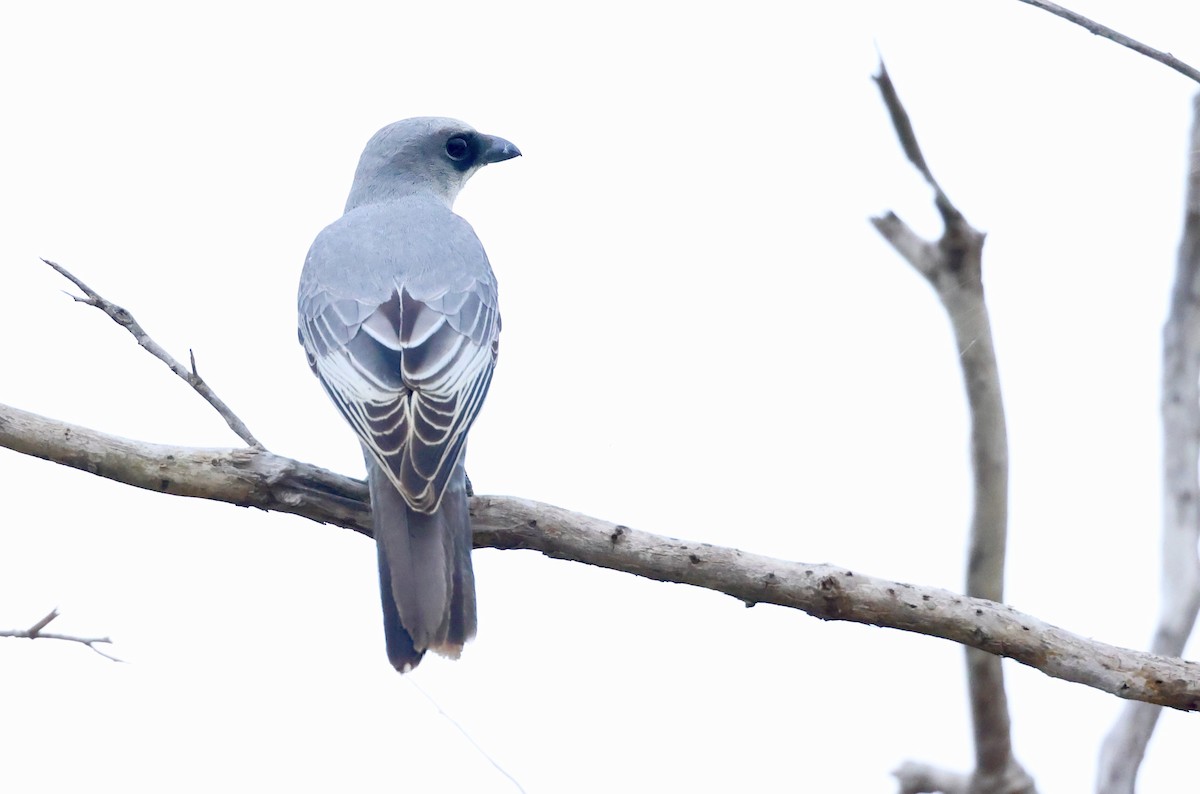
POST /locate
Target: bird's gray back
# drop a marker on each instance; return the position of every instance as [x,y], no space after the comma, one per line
[371,251]
[398,315]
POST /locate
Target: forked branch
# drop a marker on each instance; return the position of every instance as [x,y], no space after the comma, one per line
[124,318]
[953,265]
[36,632]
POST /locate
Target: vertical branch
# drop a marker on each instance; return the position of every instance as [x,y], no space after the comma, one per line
[953,266]
[961,292]
[1125,745]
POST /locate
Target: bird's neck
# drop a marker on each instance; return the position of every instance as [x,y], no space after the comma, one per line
[379,191]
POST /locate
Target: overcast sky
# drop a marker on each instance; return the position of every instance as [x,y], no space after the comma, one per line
[703,337]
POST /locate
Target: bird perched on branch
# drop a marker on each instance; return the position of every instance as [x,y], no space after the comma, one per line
[399,317]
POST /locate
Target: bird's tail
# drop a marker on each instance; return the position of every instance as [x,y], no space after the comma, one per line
[425,578]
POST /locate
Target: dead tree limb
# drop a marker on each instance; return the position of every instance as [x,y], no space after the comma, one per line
[918,778]
[1125,746]
[35,632]
[124,318]
[953,266]
[257,478]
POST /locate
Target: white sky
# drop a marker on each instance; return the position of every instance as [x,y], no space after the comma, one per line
[703,337]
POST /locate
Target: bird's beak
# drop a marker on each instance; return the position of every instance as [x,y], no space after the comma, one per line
[495,150]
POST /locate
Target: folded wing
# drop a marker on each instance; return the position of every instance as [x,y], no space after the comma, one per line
[409,375]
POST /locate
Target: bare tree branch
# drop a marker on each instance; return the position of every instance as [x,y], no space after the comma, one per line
[1165,58]
[35,632]
[1125,745]
[36,628]
[257,478]
[918,778]
[124,318]
[953,265]
[912,150]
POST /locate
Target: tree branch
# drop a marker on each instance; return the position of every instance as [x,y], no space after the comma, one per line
[1165,58]
[954,266]
[1125,746]
[918,778]
[35,632]
[258,478]
[124,318]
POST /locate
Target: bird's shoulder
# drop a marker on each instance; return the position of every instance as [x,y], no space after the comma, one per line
[417,244]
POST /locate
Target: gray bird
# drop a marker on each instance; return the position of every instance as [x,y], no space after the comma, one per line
[399,317]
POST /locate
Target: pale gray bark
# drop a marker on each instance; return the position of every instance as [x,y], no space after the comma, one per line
[257,478]
[918,778]
[953,265]
[37,632]
[124,318]
[1125,746]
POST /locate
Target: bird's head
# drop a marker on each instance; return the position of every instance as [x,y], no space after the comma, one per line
[426,154]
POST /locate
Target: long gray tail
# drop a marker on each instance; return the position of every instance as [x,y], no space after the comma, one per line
[425,578]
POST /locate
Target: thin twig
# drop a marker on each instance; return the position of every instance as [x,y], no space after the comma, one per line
[953,265]
[36,628]
[122,317]
[35,632]
[412,680]
[1165,58]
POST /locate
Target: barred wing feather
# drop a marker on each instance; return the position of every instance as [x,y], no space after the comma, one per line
[409,375]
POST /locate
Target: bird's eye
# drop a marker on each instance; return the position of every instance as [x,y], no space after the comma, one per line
[457,148]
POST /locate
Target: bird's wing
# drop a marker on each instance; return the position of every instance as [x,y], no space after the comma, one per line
[409,375]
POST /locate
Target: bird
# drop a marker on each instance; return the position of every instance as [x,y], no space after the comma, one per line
[400,321]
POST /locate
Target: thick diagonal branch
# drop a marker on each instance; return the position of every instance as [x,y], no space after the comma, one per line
[1125,745]
[953,265]
[257,478]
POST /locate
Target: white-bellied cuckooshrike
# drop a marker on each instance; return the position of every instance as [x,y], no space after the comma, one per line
[399,317]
